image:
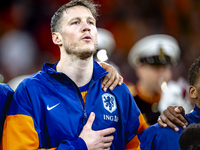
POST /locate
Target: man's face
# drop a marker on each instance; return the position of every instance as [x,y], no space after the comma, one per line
[153,76]
[78,31]
[195,91]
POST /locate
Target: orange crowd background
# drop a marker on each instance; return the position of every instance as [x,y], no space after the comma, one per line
[26,23]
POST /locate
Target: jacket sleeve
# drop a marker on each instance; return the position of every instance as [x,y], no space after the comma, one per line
[134,144]
[135,123]
[166,138]
[156,137]
[21,130]
[6,94]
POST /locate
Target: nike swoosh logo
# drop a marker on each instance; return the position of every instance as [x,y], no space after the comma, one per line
[50,108]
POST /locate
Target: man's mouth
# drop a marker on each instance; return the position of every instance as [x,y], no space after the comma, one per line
[87,38]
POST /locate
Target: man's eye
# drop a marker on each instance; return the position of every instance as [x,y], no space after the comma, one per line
[90,22]
[76,22]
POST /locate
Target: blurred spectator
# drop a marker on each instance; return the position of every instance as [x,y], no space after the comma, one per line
[128,20]
[105,47]
[152,58]
[105,44]
[176,93]
[157,137]
[18,52]
[18,49]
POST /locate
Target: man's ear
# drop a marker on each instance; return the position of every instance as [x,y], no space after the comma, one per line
[57,38]
[193,92]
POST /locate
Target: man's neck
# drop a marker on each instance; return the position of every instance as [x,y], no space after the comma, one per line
[79,71]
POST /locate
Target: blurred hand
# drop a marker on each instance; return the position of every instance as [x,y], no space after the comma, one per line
[96,140]
[171,116]
[112,79]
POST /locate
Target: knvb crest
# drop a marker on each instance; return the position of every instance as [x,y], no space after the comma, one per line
[109,102]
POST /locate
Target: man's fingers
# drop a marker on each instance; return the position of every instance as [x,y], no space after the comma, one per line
[170,112]
[110,80]
[117,81]
[169,123]
[161,123]
[107,145]
[171,109]
[181,109]
[106,132]
[121,80]
[90,120]
[170,117]
[108,139]
[108,148]
[176,116]
[104,85]
[177,110]
[182,119]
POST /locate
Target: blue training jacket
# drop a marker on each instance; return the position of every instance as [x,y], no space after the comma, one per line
[157,138]
[48,112]
[6,94]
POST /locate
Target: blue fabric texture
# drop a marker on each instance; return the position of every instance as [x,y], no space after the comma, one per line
[157,138]
[6,94]
[56,106]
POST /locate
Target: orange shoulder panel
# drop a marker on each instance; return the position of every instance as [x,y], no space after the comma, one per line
[19,133]
[134,144]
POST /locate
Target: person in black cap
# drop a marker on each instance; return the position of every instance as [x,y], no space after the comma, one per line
[152,58]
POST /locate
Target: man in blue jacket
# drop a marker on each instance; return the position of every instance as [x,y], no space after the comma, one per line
[63,106]
[156,137]
[6,94]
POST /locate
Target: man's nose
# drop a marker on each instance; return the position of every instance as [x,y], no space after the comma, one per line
[86,27]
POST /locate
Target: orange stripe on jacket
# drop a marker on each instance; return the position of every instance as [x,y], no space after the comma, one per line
[84,94]
[134,144]
[19,133]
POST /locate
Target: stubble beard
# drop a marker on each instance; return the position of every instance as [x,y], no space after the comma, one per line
[71,50]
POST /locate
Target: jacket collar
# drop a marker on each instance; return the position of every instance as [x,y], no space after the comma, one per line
[197,110]
[98,73]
